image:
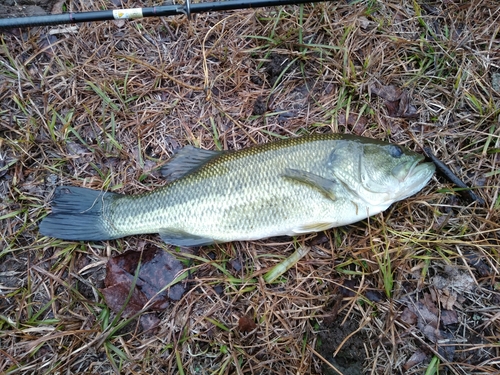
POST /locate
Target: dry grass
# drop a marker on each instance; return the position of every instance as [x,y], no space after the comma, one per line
[104,106]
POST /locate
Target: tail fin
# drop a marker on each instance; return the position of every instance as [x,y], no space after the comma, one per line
[77,214]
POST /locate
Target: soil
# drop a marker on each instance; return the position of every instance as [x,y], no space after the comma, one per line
[351,357]
[26,8]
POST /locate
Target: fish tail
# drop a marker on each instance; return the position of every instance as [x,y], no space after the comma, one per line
[78,214]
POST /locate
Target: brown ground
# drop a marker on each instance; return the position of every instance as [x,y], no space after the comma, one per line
[25,8]
[414,289]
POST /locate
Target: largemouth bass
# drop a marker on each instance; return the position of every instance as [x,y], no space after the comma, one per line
[288,187]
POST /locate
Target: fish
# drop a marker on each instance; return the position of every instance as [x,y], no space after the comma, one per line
[286,187]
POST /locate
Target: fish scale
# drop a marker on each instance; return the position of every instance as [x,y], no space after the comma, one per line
[287,187]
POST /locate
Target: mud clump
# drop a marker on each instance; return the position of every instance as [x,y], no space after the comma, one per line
[351,357]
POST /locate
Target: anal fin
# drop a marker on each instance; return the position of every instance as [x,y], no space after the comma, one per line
[313,227]
[181,238]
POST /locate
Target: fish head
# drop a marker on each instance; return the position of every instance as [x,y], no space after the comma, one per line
[380,173]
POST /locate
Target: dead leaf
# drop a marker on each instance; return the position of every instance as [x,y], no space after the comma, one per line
[117,295]
[430,300]
[430,332]
[408,316]
[357,122]
[58,7]
[449,317]
[76,149]
[365,23]
[157,269]
[46,43]
[427,321]
[428,324]
[235,265]
[119,23]
[416,358]
[246,324]
[374,295]
[390,93]
[448,299]
[455,279]
[149,322]
[397,101]
[476,261]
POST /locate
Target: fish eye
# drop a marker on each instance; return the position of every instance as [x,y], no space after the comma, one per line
[395,151]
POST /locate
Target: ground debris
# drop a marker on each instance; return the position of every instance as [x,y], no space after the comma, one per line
[246,324]
[397,101]
[353,120]
[437,312]
[339,336]
[417,358]
[155,269]
[455,279]
[477,262]
[428,324]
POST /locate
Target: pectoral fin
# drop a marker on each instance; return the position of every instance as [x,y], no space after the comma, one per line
[181,238]
[187,160]
[325,186]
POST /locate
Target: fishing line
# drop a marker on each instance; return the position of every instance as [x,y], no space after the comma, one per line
[187,9]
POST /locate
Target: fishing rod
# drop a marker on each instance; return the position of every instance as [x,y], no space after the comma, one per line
[187,9]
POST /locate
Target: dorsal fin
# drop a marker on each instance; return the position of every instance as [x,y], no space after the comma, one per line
[186,160]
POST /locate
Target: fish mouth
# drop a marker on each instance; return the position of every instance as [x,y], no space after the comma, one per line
[415,174]
[409,169]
